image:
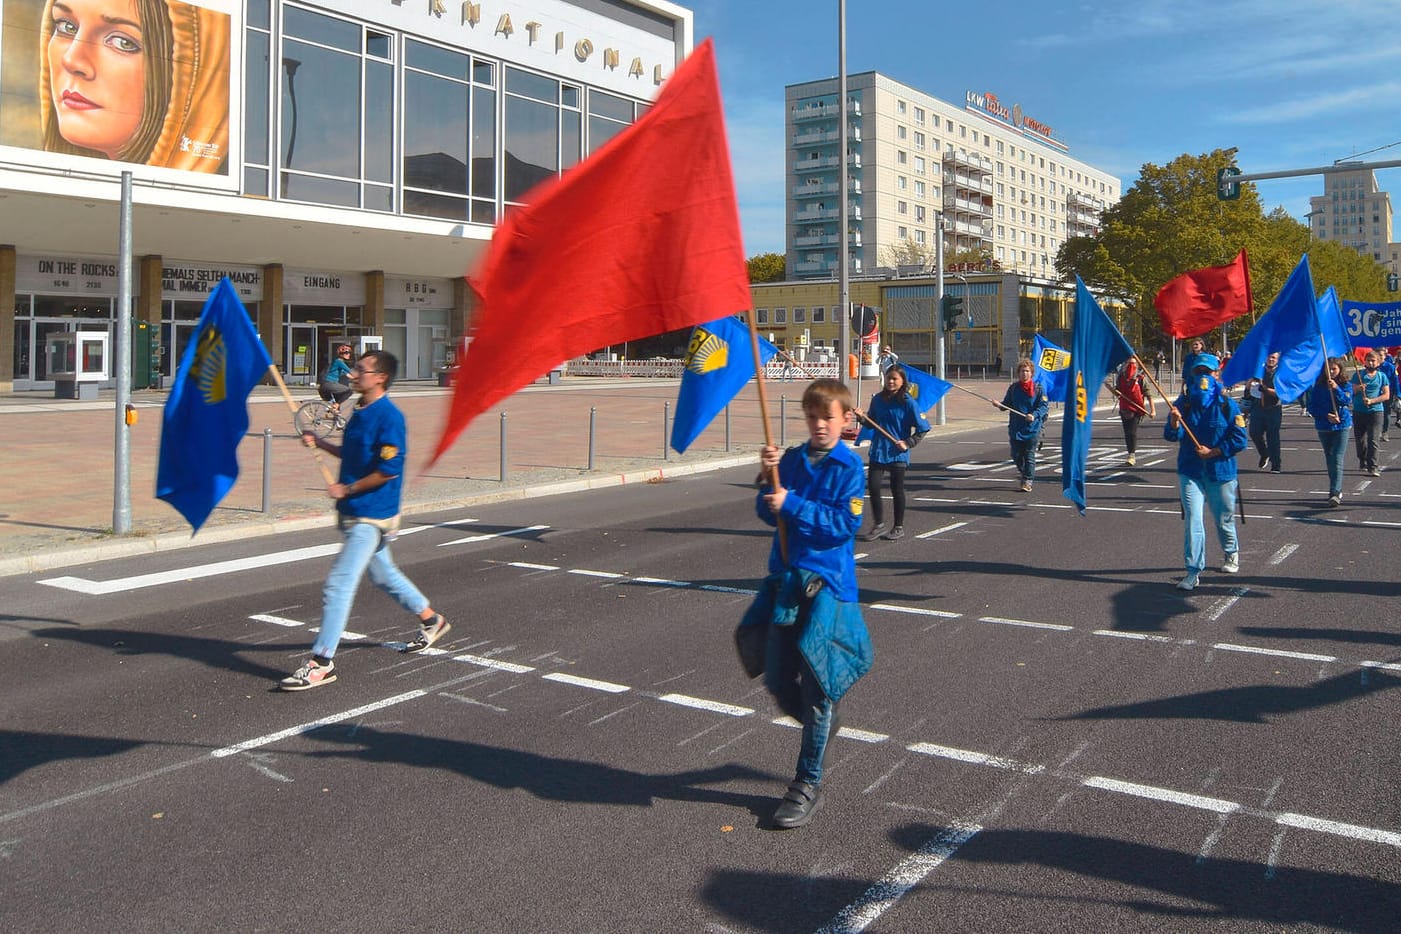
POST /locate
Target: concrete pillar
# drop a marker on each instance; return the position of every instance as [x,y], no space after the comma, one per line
[373,316]
[270,316]
[148,290]
[7,318]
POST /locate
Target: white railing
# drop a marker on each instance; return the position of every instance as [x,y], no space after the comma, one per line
[671,369]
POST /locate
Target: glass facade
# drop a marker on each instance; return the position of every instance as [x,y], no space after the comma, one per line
[371,119]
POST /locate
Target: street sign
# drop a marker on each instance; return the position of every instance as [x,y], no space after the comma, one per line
[1226,188]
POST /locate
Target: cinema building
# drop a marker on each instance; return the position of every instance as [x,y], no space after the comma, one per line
[343,164]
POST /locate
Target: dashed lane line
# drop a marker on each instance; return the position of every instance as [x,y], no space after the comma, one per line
[607,687]
[700,703]
[314,725]
[947,528]
[1025,623]
[1277,653]
[1215,805]
[490,535]
[975,758]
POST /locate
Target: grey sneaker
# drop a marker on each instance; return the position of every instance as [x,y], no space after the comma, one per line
[311,675]
[1189,582]
[873,533]
[1232,565]
[896,533]
[429,633]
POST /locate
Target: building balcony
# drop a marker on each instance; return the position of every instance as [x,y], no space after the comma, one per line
[815,191]
[812,267]
[953,202]
[1088,202]
[820,214]
[805,112]
[812,240]
[816,165]
[815,138]
[854,160]
[974,163]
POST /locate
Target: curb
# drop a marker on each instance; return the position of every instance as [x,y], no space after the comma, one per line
[177,541]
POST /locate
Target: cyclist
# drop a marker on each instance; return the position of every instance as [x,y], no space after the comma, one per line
[335,386]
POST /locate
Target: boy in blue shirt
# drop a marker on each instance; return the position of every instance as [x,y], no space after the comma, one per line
[816,645]
[367,503]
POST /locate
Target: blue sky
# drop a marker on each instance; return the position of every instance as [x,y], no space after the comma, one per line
[1290,83]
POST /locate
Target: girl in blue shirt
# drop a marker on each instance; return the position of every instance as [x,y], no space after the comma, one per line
[899,416]
[1330,404]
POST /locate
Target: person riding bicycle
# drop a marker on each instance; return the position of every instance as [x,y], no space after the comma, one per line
[335,386]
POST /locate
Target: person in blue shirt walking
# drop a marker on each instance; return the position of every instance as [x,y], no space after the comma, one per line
[367,494]
[1330,404]
[1370,395]
[1026,406]
[1206,466]
[897,416]
[815,641]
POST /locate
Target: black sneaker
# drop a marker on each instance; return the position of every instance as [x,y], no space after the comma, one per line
[873,533]
[896,533]
[428,633]
[798,806]
[1264,459]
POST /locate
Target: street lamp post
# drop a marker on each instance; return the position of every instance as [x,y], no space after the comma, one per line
[290,65]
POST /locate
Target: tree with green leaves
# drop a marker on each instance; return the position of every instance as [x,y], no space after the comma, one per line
[766,267]
[1171,221]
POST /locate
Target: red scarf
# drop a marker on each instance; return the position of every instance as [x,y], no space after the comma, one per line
[1026,385]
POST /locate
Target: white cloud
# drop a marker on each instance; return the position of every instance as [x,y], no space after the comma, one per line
[1371,95]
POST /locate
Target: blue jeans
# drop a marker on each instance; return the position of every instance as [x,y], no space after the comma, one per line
[1220,498]
[794,687]
[1334,450]
[1024,456]
[1264,431]
[364,547]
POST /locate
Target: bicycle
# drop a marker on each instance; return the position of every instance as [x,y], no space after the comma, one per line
[318,417]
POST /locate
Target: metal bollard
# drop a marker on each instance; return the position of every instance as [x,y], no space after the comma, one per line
[267,469]
[727,427]
[783,421]
[503,447]
[593,421]
[666,417]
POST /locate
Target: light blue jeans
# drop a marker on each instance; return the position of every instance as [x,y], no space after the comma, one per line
[1220,498]
[364,547]
[1334,451]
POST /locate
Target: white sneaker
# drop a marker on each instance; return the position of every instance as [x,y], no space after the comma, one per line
[1132,460]
[1232,565]
[1189,582]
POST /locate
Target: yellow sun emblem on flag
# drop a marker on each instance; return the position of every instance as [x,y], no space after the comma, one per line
[707,352]
[211,362]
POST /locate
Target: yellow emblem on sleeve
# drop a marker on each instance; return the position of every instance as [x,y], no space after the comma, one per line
[1240,421]
[857,504]
[388,452]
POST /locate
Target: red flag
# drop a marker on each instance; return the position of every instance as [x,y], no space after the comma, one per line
[1197,301]
[640,238]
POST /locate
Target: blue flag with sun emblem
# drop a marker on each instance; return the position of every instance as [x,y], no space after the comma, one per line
[718,363]
[1051,365]
[206,415]
[1096,347]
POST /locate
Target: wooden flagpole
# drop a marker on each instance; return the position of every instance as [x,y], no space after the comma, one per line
[1026,415]
[292,405]
[764,419]
[870,421]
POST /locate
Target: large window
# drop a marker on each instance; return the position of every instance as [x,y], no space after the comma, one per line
[337,116]
[608,115]
[543,130]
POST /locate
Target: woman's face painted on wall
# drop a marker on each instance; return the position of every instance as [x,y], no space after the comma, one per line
[97,72]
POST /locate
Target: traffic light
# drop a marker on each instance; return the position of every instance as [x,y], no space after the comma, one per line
[1393,282]
[951,305]
[1226,188]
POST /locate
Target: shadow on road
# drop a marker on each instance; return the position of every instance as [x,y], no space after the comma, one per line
[223,654]
[21,750]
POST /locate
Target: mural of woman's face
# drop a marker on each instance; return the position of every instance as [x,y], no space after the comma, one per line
[97,72]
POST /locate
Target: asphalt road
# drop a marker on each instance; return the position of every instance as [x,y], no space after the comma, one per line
[1053,737]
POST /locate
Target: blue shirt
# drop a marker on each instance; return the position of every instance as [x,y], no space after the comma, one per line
[1016,399]
[899,415]
[822,513]
[1367,385]
[1322,402]
[376,439]
[1217,425]
[338,371]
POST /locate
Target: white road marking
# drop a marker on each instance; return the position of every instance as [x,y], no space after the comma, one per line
[717,588]
[908,873]
[1141,636]
[277,620]
[917,611]
[1284,552]
[482,538]
[1385,666]
[1058,627]
[1337,828]
[661,582]
[179,575]
[947,528]
[583,572]
[483,662]
[1215,805]
[1278,653]
[862,736]
[1219,609]
[532,567]
[700,703]
[313,725]
[975,758]
[593,685]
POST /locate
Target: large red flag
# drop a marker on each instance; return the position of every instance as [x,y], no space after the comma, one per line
[640,238]
[1197,301]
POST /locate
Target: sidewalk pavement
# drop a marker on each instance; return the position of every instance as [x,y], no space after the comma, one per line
[58,459]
